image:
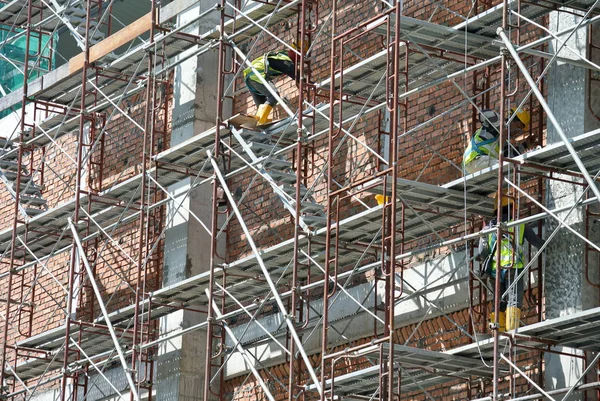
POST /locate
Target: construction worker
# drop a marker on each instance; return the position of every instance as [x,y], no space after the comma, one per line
[512,263]
[269,66]
[483,147]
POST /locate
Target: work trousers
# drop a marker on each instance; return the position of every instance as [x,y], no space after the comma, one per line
[260,94]
[514,297]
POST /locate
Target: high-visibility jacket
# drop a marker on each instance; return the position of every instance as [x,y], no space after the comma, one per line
[484,142]
[261,64]
[511,248]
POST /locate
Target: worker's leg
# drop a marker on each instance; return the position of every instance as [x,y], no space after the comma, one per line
[267,100]
[502,313]
[257,90]
[515,301]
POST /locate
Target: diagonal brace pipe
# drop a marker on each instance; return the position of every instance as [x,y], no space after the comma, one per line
[242,351]
[549,113]
[532,382]
[109,325]
[266,274]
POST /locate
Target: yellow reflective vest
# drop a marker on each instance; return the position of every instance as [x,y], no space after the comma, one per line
[511,248]
[261,64]
[483,142]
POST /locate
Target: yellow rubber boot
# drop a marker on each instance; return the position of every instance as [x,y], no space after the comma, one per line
[262,114]
[513,317]
[501,321]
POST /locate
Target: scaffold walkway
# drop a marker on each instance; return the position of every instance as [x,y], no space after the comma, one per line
[421,368]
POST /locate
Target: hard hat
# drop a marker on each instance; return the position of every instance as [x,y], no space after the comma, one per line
[305,46]
[506,200]
[523,116]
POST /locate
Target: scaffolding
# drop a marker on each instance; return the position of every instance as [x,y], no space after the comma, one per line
[57,250]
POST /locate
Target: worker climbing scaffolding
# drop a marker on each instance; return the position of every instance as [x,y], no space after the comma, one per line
[512,263]
[484,146]
[271,65]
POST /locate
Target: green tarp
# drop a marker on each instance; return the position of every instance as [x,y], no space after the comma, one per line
[12,59]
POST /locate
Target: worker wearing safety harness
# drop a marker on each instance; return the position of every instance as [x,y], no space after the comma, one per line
[512,264]
[483,147]
[270,65]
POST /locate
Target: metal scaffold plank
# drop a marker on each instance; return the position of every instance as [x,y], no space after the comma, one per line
[420,368]
[424,368]
[488,21]
[579,330]
[14,13]
[445,38]
[244,25]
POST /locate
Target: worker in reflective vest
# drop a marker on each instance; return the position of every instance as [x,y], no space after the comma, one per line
[270,65]
[511,265]
[483,147]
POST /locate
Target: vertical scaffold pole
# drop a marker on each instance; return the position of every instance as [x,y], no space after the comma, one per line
[389,240]
[329,207]
[147,136]
[78,179]
[297,229]
[215,207]
[15,221]
[501,138]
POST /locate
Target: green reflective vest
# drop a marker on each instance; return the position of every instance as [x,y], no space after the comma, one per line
[509,257]
[482,143]
[261,64]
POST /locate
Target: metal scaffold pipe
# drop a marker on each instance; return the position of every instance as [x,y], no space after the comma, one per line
[266,274]
[109,325]
[242,351]
[549,112]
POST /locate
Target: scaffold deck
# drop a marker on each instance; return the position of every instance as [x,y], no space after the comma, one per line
[487,22]
[419,368]
[422,368]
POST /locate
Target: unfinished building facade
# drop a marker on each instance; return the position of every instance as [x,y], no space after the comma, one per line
[156,244]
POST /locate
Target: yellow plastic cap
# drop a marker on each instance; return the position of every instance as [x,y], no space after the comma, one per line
[381,199]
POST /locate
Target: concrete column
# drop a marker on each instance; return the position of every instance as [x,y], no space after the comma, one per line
[566,289]
[180,364]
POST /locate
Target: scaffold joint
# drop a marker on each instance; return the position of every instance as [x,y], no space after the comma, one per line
[301,132]
[219,7]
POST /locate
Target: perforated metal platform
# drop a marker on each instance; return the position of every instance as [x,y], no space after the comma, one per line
[14,12]
[579,330]
[420,368]
[486,23]
[424,368]
[266,15]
